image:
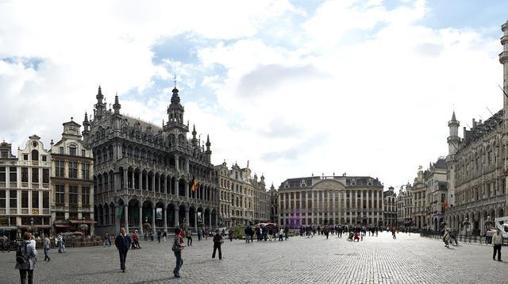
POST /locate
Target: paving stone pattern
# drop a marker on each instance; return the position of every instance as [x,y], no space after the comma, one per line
[408,259]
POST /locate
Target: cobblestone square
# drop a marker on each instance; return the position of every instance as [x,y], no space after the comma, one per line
[408,259]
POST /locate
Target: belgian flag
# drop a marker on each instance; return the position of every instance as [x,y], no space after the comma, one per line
[194,185]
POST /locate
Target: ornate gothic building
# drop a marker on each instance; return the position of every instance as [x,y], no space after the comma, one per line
[148,177]
[478,165]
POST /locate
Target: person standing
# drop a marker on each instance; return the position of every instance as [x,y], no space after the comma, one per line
[497,242]
[46,247]
[123,243]
[25,259]
[199,234]
[159,236]
[189,237]
[177,248]
[217,242]
[230,235]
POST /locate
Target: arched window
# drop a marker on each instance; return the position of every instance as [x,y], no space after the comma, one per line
[35,155]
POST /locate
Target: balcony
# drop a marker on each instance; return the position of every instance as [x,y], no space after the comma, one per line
[2,211]
[24,211]
[13,211]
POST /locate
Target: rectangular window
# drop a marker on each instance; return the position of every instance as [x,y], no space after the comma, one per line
[44,158]
[72,151]
[13,202]
[24,174]
[73,169]
[13,176]
[85,171]
[59,167]
[61,150]
[2,198]
[2,174]
[35,199]
[45,199]
[45,175]
[24,199]
[73,196]
[4,154]
[85,196]
[35,175]
[25,157]
[59,194]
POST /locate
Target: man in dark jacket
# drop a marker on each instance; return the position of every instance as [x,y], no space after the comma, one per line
[217,242]
[123,243]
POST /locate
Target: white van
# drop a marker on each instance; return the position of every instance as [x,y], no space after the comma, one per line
[502,224]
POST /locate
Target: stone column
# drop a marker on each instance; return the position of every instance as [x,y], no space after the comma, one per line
[125,184]
[177,163]
[132,179]
[140,181]
[126,210]
[187,217]
[210,218]
[165,210]
[153,182]
[146,182]
[195,221]
[153,221]
[187,165]
[176,187]
[140,218]
[177,218]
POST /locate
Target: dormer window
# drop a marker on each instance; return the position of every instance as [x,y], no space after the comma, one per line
[72,150]
[35,155]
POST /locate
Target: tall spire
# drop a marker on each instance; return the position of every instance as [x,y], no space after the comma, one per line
[117,105]
[453,117]
[99,95]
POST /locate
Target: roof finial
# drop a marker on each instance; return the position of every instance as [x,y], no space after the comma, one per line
[174,79]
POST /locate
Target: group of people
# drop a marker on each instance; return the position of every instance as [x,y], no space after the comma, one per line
[263,233]
[496,240]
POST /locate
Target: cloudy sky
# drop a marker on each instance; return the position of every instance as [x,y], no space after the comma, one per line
[298,87]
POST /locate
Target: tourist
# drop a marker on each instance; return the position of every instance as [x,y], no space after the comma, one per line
[497,242]
[123,243]
[164,236]
[199,234]
[446,237]
[286,233]
[46,247]
[135,240]
[107,240]
[230,235]
[281,235]
[189,237]
[61,243]
[177,248]
[159,236]
[25,259]
[217,242]
[247,233]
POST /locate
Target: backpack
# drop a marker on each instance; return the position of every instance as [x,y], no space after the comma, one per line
[22,255]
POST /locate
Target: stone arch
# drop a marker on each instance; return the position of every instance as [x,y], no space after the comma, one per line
[133,209]
[130,176]
[181,214]
[112,210]
[144,179]
[107,220]
[159,215]
[192,216]
[148,212]
[137,184]
[181,187]
[171,215]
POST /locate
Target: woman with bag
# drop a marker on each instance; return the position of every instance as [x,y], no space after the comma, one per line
[26,259]
[177,248]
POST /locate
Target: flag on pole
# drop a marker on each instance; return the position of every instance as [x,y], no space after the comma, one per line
[194,185]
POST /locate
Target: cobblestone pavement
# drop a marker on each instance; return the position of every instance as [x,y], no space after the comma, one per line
[408,259]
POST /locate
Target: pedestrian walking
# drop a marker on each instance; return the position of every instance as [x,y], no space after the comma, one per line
[46,247]
[217,242]
[199,234]
[189,237]
[497,242]
[159,236]
[123,243]
[25,259]
[177,248]
[230,235]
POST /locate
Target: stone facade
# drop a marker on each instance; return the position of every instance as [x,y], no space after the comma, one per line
[346,200]
[149,177]
[25,188]
[244,199]
[72,202]
[274,205]
[478,165]
[435,179]
[390,207]
[404,205]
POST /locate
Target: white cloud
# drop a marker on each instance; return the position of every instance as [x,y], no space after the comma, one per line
[353,87]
